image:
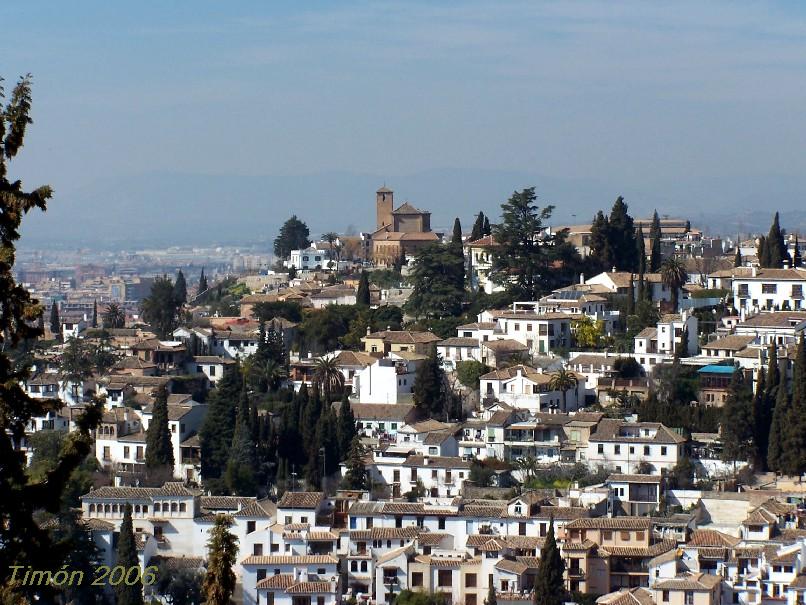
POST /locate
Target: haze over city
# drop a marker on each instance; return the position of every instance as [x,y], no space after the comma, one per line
[150,118]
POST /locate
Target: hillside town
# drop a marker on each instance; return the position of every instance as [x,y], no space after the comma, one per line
[610,412]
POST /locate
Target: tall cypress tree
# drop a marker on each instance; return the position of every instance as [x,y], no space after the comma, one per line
[478,227]
[776,252]
[347,429]
[737,259]
[600,241]
[737,420]
[362,294]
[457,248]
[95,314]
[639,239]
[793,457]
[549,586]
[181,288]
[487,229]
[55,323]
[780,414]
[202,282]
[428,392]
[222,551]
[762,251]
[127,558]
[491,599]
[655,235]
[356,476]
[796,258]
[764,405]
[159,449]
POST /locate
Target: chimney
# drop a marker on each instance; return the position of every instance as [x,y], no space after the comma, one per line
[786,263]
[613,270]
[753,271]
[368,331]
[582,279]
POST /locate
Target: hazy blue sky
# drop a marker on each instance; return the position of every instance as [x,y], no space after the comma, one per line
[639,95]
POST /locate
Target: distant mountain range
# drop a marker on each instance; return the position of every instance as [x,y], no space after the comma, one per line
[184,209]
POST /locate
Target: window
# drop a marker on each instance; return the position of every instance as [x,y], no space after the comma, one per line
[417,578]
[625,535]
[250,526]
[470,580]
[257,550]
[261,574]
[157,507]
[639,535]
[320,600]
[441,523]
[126,450]
[797,291]
[607,535]
[470,599]
[444,578]
[646,450]
[600,448]
[769,288]
[617,449]
[107,453]
[663,450]
[665,596]
[288,519]
[689,597]
[182,507]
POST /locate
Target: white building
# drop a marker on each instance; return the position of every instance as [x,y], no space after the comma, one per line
[528,388]
[630,447]
[769,289]
[385,381]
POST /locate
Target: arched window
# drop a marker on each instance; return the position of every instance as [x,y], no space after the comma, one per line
[114,508]
[173,507]
[137,508]
[145,509]
[107,508]
[182,507]
[156,507]
[92,508]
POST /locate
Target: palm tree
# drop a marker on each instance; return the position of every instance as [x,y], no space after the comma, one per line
[673,274]
[114,316]
[527,465]
[563,380]
[327,378]
[270,373]
[330,237]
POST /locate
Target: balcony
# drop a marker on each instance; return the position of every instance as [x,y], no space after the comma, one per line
[390,581]
[576,573]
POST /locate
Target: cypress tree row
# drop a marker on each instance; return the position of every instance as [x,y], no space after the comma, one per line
[737,420]
[641,250]
[218,428]
[780,414]
[362,294]
[478,227]
[55,323]
[775,252]
[347,429]
[239,477]
[793,455]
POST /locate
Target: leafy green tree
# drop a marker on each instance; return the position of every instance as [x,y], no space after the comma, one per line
[218,427]
[588,332]
[737,420]
[562,380]
[321,330]
[159,449]
[83,557]
[183,587]
[180,288]
[357,476]
[674,276]
[55,322]
[294,235]
[549,587]
[436,277]
[25,542]
[469,373]
[161,307]
[222,551]
[113,316]
[240,473]
[655,234]
[362,294]
[521,260]
[775,252]
[126,557]
[203,286]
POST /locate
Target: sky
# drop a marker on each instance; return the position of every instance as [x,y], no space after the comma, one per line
[692,107]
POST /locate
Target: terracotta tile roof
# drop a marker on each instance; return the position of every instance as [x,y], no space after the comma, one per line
[694,581]
[632,596]
[310,588]
[385,533]
[711,537]
[437,462]
[774,319]
[304,500]
[229,503]
[431,538]
[381,411]
[616,478]
[282,580]
[177,563]
[403,337]
[510,566]
[610,523]
[641,551]
[459,341]
[734,342]
[505,345]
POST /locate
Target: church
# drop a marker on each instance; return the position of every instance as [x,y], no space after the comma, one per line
[399,231]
